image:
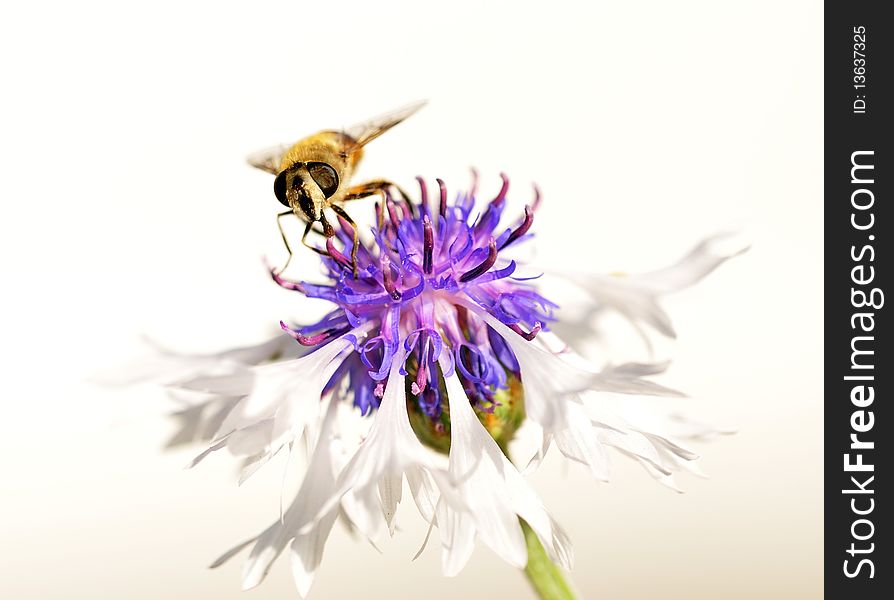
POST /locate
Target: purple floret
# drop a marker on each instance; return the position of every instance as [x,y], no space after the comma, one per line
[415,284]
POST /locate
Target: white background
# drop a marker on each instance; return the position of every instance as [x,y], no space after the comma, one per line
[128,210]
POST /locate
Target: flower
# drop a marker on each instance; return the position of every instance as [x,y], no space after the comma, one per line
[442,349]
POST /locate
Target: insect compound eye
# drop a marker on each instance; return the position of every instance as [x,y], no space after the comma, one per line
[324,176]
[279,188]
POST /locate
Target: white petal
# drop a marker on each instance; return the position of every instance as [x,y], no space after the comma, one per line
[390,451]
[635,303]
[579,443]
[709,254]
[198,421]
[494,491]
[478,469]
[391,486]
[307,553]
[647,417]
[636,296]
[237,382]
[293,383]
[364,510]
[269,545]
[166,366]
[307,547]
[545,377]
[652,433]
[282,400]
[457,533]
[594,426]
[634,444]
[425,492]
[550,382]
[627,379]
[658,455]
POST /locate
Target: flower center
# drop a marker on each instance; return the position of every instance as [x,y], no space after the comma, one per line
[422,283]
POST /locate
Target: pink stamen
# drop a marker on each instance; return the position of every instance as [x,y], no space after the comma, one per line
[345,226]
[428,245]
[392,214]
[282,282]
[421,376]
[442,208]
[486,264]
[388,278]
[521,229]
[501,197]
[536,204]
[337,256]
[528,336]
[380,222]
[423,191]
[305,340]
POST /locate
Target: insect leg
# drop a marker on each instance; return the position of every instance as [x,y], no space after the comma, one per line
[378,186]
[344,215]
[285,240]
[310,227]
[304,241]
[364,190]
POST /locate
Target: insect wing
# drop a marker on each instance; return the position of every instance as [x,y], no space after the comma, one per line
[269,159]
[364,133]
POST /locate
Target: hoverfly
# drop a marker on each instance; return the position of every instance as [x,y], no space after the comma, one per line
[314,174]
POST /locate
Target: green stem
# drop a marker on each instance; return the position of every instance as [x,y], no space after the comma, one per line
[546,578]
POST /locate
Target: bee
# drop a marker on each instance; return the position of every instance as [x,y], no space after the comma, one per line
[314,174]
